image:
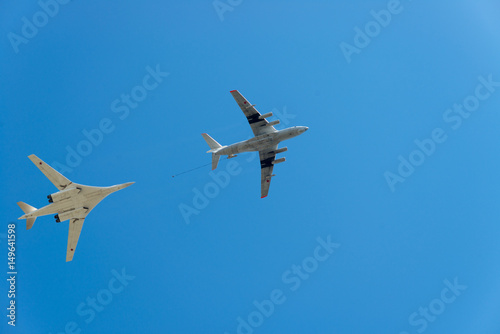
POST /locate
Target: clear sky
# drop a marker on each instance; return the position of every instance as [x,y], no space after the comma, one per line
[383,219]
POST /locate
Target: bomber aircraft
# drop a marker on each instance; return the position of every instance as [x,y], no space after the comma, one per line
[73,201]
[266,141]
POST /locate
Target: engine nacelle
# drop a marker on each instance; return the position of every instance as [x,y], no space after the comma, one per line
[75,213]
[278,161]
[273,123]
[63,194]
[281,150]
[269,114]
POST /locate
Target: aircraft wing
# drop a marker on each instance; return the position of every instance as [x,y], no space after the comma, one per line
[259,126]
[266,169]
[54,176]
[75,228]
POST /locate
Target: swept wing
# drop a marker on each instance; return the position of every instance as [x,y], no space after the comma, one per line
[75,228]
[266,169]
[259,125]
[54,176]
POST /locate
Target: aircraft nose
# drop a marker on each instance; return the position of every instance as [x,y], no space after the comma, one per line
[121,186]
[125,185]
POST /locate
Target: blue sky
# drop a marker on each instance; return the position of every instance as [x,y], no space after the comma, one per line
[384,218]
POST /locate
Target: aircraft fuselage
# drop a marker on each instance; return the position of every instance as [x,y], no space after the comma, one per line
[84,197]
[262,142]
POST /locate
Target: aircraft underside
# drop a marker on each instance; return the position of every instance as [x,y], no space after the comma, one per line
[265,142]
[249,146]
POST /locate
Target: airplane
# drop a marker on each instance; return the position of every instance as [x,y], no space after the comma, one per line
[73,201]
[266,141]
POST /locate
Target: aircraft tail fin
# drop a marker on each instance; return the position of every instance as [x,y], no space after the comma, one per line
[214,145]
[215,160]
[27,209]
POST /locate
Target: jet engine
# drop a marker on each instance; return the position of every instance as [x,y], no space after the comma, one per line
[75,213]
[269,114]
[273,123]
[281,150]
[277,161]
[63,194]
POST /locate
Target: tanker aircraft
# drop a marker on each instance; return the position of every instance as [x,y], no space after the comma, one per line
[266,141]
[73,201]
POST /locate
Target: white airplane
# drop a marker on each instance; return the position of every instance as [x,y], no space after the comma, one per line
[73,201]
[266,141]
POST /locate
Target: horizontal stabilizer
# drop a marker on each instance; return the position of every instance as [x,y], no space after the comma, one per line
[214,145]
[30,222]
[27,209]
[215,160]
